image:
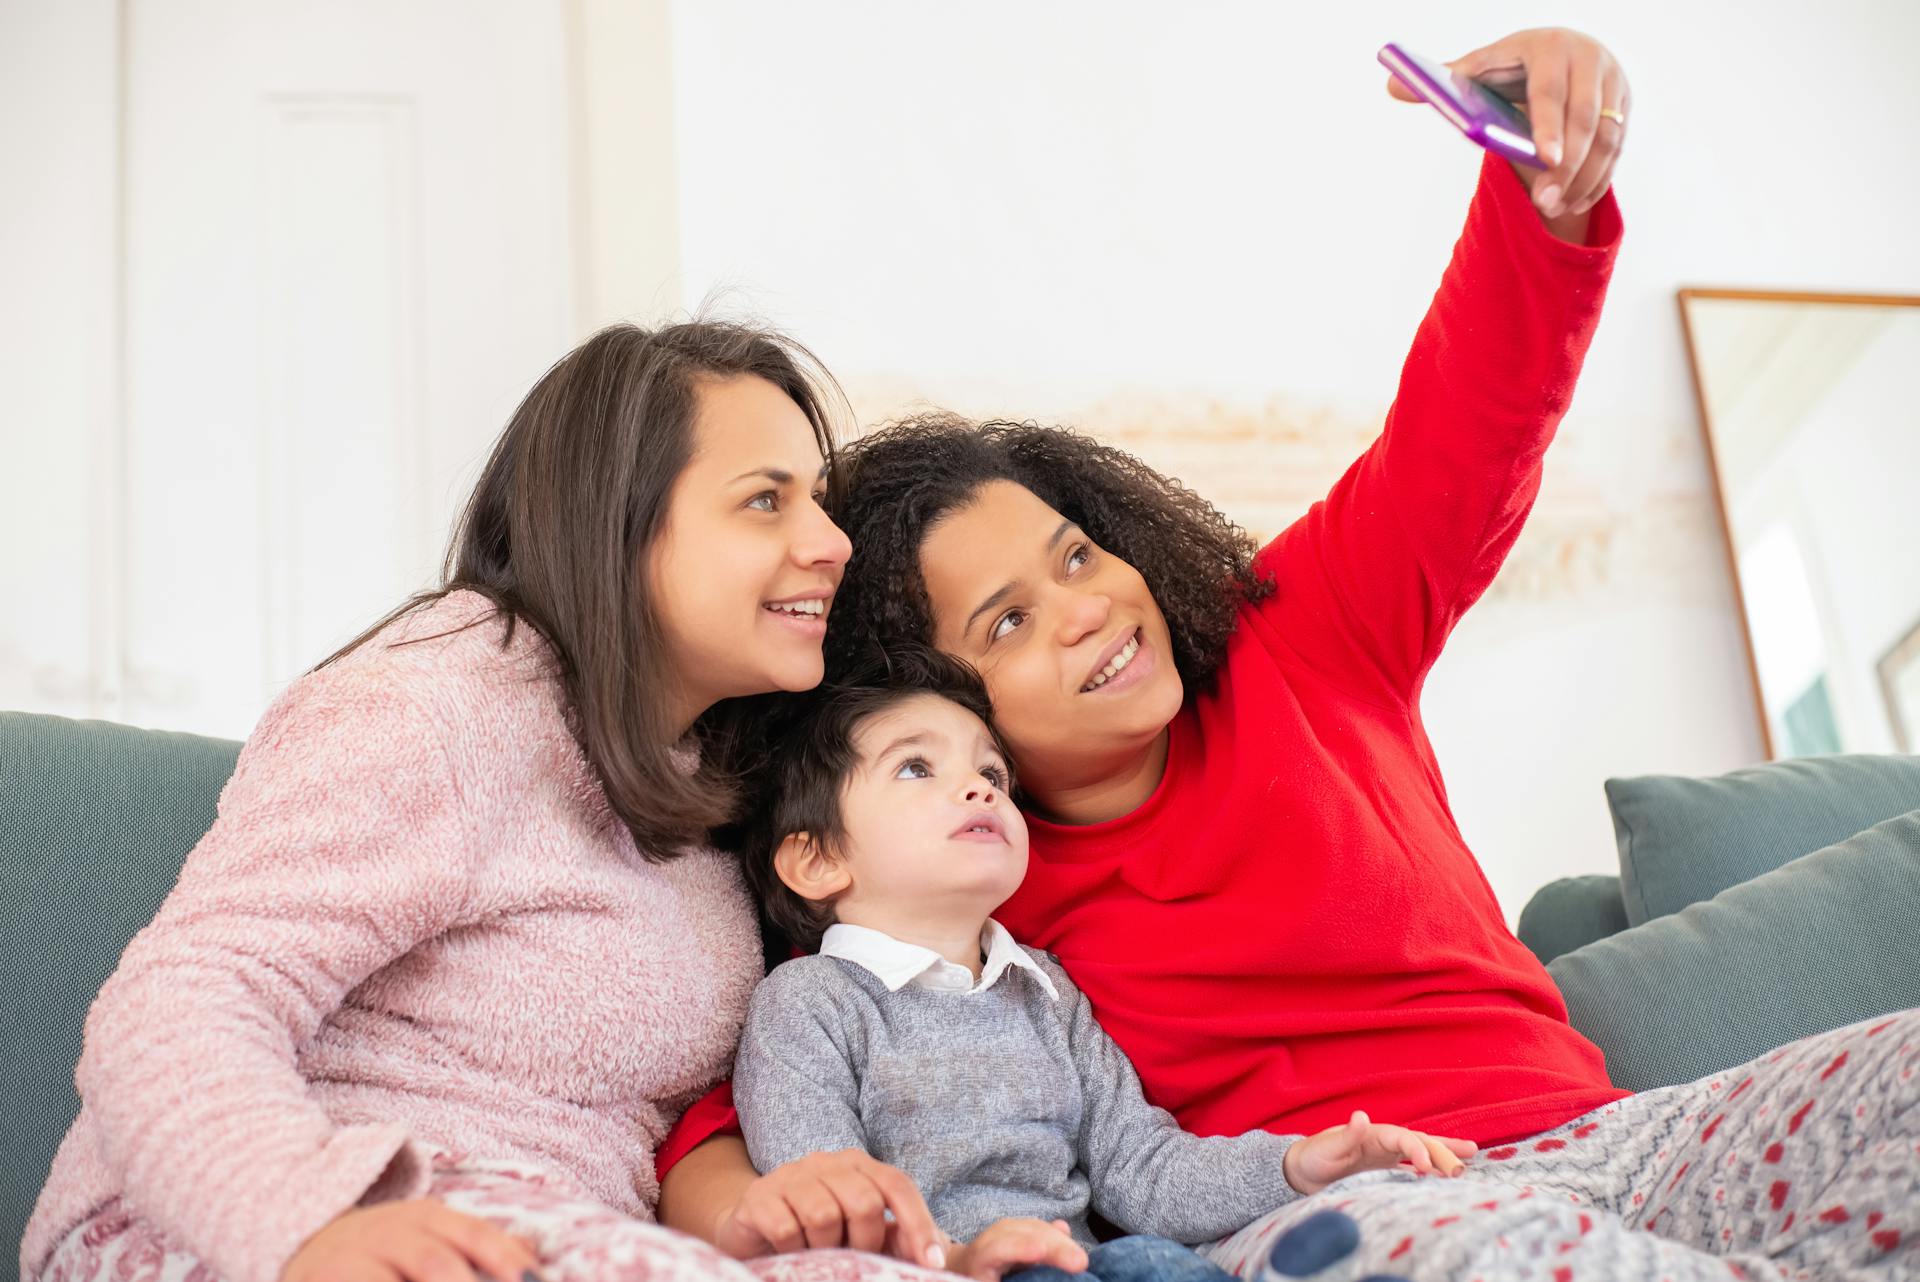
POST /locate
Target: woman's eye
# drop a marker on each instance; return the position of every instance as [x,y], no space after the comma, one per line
[914,769]
[766,501]
[1005,624]
[1080,555]
[820,498]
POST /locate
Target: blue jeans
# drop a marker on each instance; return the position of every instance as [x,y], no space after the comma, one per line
[1134,1259]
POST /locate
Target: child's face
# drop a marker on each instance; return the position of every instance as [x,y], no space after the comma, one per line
[930,830]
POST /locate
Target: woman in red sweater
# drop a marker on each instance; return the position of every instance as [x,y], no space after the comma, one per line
[1243,849]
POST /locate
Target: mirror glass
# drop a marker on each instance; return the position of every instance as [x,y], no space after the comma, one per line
[1811,406]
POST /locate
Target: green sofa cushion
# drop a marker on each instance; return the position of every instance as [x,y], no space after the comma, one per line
[1828,939]
[1683,841]
[95,820]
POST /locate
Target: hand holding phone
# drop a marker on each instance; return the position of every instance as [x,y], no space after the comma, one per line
[1471,107]
[1568,139]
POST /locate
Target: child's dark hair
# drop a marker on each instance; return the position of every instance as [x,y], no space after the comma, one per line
[812,758]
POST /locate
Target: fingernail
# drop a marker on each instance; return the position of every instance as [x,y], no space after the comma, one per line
[936,1256]
[1549,199]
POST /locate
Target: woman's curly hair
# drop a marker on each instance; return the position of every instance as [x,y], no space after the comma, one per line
[902,479]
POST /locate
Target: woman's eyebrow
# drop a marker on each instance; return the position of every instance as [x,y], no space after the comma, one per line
[779,476]
[1008,588]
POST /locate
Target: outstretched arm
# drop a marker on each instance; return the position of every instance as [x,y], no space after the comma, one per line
[1374,577]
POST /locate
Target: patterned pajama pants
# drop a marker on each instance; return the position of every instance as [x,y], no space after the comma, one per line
[576,1238]
[1802,1164]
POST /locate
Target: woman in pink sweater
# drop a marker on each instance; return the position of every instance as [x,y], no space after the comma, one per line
[452,958]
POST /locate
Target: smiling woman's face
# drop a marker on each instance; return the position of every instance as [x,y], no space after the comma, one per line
[745,568]
[1073,647]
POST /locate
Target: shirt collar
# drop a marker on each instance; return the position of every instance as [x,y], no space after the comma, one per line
[897,964]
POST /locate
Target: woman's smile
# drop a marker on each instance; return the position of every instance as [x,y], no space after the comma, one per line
[805,614]
[1127,661]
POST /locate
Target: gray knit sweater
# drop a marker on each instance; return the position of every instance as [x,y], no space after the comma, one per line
[1006,1102]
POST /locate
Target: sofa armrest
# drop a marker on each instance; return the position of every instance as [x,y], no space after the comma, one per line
[1571,913]
[95,820]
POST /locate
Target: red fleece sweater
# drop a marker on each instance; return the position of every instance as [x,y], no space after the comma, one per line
[1292,927]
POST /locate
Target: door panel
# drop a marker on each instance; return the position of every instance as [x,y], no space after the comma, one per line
[347,254]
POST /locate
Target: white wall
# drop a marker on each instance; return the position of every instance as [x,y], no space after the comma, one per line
[1208,232]
[1203,231]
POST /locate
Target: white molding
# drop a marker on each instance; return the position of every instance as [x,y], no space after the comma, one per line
[626,207]
[285,652]
[61,77]
[107,438]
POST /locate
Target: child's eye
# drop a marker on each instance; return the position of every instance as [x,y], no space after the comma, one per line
[914,768]
[1005,624]
[997,776]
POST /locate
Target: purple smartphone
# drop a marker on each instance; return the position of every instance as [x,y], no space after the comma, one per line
[1475,110]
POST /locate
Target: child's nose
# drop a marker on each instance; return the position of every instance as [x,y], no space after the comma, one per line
[979,792]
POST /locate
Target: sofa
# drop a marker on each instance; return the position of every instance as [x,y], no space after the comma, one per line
[1750,909]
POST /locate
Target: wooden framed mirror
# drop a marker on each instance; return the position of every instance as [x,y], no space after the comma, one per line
[1810,404]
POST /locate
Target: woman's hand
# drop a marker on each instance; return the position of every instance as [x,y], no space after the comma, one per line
[416,1241]
[832,1199]
[1009,1245]
[1569,80]
[1361,1145]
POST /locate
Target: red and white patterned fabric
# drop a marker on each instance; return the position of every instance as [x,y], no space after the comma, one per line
[1804,1164]
[576,1238]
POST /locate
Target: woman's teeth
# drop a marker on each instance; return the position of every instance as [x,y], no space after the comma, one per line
[801,609]
[1119,661]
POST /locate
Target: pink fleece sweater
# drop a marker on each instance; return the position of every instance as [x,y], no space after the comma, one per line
[415,926]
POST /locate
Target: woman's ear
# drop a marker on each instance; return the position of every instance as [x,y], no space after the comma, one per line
[809,870]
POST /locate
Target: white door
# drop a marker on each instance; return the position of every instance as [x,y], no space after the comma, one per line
[346,254]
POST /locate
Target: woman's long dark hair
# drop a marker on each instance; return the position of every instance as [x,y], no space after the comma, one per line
[556,536]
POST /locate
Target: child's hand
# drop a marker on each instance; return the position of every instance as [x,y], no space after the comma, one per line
[415,1241]
[1008,1245]
[1362,1145]
[833,1199]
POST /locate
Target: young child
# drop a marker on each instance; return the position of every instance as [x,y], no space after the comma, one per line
[924,1035]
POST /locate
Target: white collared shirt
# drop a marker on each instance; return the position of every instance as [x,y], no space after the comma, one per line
[897,964]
